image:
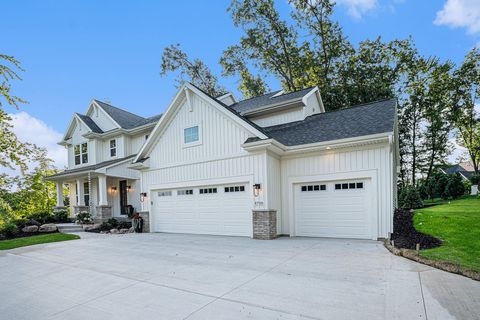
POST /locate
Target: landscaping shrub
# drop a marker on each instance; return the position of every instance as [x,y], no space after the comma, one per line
[410,198]
[475,179]
[441,185]
[468,187]
[61,216]
[105,226]
[83,217]
[454,188]
[113,222]
[42,217]
[422,191]
[9,229]
[124,225]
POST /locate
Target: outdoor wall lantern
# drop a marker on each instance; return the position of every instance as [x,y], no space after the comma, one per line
[143,195]
[257,188]
[129,188]
[114,188]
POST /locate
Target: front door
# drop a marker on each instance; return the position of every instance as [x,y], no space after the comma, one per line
[123,197]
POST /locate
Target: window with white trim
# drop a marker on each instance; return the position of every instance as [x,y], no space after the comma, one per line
[190,135]
[81,153]
[113,148]
[185,192]
[314,187]
[208,190]
[164,193]
[235,189]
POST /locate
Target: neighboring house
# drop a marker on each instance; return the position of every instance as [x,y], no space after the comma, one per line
[209,162]
[101,143]
[465,169]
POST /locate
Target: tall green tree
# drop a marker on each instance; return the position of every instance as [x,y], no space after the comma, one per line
[196,71]
[465,101]
[13,153]
[268,43]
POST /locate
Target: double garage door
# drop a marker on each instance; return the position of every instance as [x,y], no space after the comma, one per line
[337,209]
[211,209]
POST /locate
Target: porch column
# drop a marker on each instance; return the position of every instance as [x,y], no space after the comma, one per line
[102,190]
[59,194]
[81,200]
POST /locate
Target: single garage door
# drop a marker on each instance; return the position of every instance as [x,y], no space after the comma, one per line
[338,209]
[211,209]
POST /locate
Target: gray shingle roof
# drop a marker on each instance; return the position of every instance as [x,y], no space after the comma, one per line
[90,123]
[361,120]
[125,119]
[458,168]
[267,99]
[92,167]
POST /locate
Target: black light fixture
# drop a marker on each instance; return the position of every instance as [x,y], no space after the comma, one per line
[143,194]
[114,188]
[129,187]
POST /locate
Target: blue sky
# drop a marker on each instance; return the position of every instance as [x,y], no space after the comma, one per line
[74,51]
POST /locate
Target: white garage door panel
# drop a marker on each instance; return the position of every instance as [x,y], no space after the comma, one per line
[343,213]
[221,213]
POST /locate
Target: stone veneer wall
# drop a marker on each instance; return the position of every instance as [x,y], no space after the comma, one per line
[264,224]
[146,220]
[103,214]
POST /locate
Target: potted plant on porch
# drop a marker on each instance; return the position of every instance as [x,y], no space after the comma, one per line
[137,222]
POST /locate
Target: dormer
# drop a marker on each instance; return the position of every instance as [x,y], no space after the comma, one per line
[279,107]
[227,99]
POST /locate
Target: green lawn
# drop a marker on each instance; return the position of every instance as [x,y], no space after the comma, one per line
[457,223]
[43,238]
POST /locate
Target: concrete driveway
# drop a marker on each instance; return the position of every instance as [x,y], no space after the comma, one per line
[167,276]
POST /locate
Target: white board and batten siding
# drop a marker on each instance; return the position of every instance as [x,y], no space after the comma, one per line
[217,160]
[371,165]
[279,117]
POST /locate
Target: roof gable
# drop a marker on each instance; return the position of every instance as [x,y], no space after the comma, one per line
[184,94]
[271,98]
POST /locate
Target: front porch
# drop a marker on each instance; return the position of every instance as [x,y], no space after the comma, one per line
[103,196]
[106,190]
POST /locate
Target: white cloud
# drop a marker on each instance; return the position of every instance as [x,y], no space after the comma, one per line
[357,8]
[460,14]
[33,130]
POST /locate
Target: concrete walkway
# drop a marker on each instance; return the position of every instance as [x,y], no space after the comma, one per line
[166,276]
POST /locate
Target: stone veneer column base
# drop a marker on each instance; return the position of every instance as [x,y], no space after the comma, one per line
[103,214]
[264,224]
[78,209]
[146,220]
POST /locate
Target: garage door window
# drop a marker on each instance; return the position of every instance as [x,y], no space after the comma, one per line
[164,193]
[349,185]
[314,187]
[185,192]
[235,189]
[208,190]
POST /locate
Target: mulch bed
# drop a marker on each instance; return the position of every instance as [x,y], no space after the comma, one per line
[21,234]
[406,236]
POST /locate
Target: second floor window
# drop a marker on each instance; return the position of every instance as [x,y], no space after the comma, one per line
[81,153]
[190,134]
[113,148]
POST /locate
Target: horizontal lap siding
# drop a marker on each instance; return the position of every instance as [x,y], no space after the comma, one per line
[375,158]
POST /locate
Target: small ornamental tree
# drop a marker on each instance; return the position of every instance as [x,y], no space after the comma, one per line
[475,179]
[441,185]
[410,198]
[455,187]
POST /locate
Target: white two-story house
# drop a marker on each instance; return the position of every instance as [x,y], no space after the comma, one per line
[265,166]
[100,144]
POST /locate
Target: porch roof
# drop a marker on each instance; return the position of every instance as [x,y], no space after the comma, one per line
[86,169]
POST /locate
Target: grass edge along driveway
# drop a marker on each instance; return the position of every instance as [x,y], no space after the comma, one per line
[457,223]
[43,238]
